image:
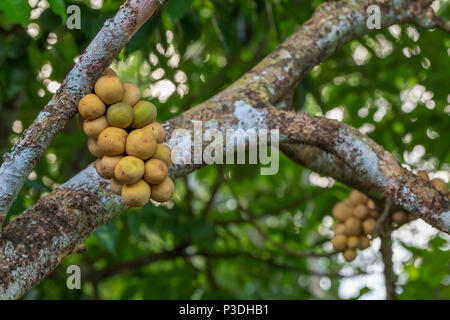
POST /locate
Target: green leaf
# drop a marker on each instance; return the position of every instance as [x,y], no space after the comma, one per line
[177,9]
[18,11]
[58,7]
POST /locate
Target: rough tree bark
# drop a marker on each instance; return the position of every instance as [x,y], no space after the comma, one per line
[57,225]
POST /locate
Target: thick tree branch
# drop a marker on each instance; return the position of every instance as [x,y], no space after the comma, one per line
[107,44]
[35,243]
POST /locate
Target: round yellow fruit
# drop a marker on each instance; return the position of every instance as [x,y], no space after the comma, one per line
[423,175]
[440,185]
[360,211]
[353,242]
[116,187]
[112,141]
[352,226]
[339,228]
[131,93]
[109,88]
[157,130]
[155,171]
[342,211]
[99,169]
[371,205]
[369,225]
[144,112]
[129,170]
[364,242]
[92,128]
[349,255]
[339,242]
[163,191]
[141,144]
[163,153]
[91,107]
[357,197]
[107,165]
[137,194]
[120,115]
[94,148]
[109,72]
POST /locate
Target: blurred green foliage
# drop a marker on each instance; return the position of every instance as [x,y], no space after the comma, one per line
[394,87]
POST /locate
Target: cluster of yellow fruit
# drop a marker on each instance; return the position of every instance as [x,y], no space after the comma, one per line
[356,216]
[124,136]
[357,219]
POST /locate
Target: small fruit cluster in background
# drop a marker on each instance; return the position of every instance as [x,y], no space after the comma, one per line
[357,216]
[124,136]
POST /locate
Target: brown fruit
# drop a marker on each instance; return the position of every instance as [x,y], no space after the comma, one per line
[339,242]
[352,226]
[99,169]
[162,152]
[369,225]
[94,148]
[157,130]
[357,197]
[155,171]
[373,213]
[339,228]
[364,242]
[92,128]
[144,112]
[120,115]
[371,205]
[400,217]
[137,194]
[107,165]
[91,107]
[423,175]
[131,93]
[341,211]
[440,185]
[112,141]
[349,255]
[163,191]
[141,144]
[361,212]
[412,217]
[353,242]
[116,187]
[109,88]
[129,170]
[109,72]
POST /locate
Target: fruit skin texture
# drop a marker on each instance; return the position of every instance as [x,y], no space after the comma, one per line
[163,153]
[400,217]
[92,128]
[357,197]
[109,88]
[144,112]
[361,211]
[109,72]
[342,211]
[352,226]
[131,93]
[155,171]
[423,175]
[140,144]
[157,130]
[339,228]
[137,194]
[120,115]
[163,191]
[353,242]
[339,242]
[99,169]
[129,170]
[91,107]
[107,165]
[440,185]
[112,141]
[369,225]
[116,187]
[94,148]
[364,243]
[349,255]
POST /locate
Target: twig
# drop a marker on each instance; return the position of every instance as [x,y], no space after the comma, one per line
[383,216]
[386,253]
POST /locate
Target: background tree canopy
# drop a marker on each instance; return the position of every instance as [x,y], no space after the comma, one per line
[392,85]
